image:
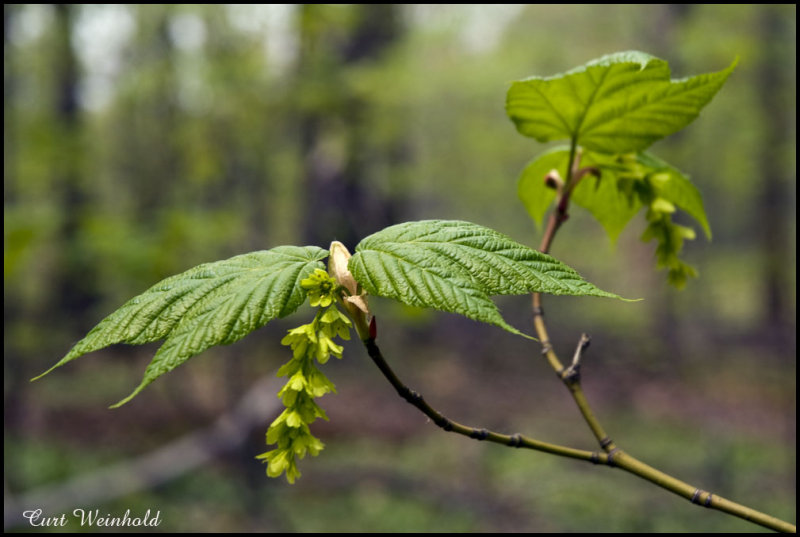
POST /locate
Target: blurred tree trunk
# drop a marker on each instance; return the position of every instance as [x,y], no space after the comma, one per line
[144,156]
[773,212]
[151,143]
[335,123]
[242,140]
[74,288]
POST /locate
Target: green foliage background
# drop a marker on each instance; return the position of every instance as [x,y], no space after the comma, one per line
[140,141]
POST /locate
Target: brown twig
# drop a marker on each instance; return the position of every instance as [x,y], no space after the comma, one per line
[515,440]
[613,456]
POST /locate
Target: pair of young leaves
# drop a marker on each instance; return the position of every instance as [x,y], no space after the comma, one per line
[451,266]
[614,108]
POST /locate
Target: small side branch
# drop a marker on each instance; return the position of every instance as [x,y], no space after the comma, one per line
[569,375]
[572,374]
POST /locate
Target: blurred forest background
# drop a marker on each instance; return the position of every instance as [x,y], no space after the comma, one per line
[141,140]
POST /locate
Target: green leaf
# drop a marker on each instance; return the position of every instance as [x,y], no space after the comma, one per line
[619,103]
[456,266]
[211,304]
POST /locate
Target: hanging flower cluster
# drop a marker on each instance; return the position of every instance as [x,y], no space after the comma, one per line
[311,344]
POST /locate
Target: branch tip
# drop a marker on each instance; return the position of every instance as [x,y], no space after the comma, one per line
[583,344]
[572,374]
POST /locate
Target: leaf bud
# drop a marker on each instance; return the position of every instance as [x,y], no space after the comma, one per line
[355,302]
[553,180]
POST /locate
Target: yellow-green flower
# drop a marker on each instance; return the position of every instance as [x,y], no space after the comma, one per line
[305,381]
[321,288]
